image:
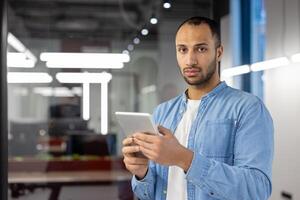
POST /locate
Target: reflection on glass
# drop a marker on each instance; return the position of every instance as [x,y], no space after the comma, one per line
[71,65]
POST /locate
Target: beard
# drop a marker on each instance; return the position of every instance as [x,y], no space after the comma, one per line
[202,78]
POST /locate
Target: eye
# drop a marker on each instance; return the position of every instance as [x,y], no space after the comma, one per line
[182,50]
[202,49]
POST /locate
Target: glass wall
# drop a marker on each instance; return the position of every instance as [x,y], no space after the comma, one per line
[71,65]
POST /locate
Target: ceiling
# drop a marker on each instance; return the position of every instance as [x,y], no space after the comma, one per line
[96,19]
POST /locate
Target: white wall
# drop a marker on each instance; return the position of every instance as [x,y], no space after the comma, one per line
[282,95]
[227,57]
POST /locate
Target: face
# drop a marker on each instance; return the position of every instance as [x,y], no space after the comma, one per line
[197,54]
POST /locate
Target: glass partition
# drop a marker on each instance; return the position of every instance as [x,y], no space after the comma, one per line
[71,65]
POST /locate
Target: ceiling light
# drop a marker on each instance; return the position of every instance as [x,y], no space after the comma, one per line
[167,5]
[86,101]
[148,89]
[104,108]
[268,64]
[136,40]
[234,71]
[19,60]
[295,57]
[97,57]
[53,91]
[28,77]
[15,43]
[77,91]
[130,47]
[144,31]
[83,64]
[84,60]
[125,51]
[84,77]
[20,47]
[87,78]
[153,20]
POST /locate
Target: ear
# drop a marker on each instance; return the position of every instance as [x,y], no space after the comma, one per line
[219,53]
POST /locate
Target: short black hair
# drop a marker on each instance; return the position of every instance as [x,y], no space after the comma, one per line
[212,24]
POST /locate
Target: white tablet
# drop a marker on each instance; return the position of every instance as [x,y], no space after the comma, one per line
[132,122]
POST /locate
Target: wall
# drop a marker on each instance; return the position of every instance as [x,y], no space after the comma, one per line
[282,94]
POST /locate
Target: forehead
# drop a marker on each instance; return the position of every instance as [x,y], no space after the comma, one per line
[194,34]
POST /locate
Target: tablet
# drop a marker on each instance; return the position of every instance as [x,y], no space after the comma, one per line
[132,122]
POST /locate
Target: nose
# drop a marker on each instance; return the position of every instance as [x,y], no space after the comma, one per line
[191,59]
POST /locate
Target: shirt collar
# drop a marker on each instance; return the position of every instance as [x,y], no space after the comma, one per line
[213,92]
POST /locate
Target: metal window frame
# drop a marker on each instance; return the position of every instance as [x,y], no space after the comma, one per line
[3,103]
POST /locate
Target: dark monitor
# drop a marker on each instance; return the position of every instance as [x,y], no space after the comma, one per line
[65,111]
[64,126]
[92,144]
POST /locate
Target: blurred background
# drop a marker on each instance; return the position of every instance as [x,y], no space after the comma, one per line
[73,63]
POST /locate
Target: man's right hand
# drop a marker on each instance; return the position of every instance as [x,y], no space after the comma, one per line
[134,162]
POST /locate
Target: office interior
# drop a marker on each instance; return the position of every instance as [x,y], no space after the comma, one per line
[71,64]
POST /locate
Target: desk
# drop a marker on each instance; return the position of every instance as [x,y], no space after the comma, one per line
[69,177]
[31,173]
[21,181]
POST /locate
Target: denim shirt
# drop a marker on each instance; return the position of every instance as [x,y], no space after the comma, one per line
[232,141]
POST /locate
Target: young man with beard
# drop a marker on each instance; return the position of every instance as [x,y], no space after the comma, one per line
[216,142]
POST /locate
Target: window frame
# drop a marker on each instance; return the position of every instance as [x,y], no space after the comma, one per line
[3,103]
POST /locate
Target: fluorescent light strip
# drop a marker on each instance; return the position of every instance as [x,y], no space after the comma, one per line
[86,79]
[82,57]
[21,91]
[83,64]
[86,101]
[56,91]
[15,43]
[295,57]
[28,77]
[77,91]
[104,108]
[20,47]
[234,71]
[268,64]
[148,89]
[83,77]
[19,60]
[30,55]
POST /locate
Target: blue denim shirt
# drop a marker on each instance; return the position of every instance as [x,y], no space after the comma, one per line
[232,140]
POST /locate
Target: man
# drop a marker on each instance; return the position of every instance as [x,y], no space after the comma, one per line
[216,142]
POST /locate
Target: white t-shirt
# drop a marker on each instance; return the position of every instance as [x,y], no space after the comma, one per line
[177,185]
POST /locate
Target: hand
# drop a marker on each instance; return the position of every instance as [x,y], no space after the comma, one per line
[165,149]
[136,164]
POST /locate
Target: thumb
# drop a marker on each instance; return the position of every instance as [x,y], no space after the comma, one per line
[164,131]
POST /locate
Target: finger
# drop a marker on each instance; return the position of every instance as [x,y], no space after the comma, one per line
[148,152]
[135,161]
[164,130]
[127,141]
[143,144]
[146,137]
[130,149]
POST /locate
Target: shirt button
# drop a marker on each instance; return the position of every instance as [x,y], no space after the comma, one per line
[165,191]
[211,193]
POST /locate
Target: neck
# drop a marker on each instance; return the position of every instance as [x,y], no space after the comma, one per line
[196,92]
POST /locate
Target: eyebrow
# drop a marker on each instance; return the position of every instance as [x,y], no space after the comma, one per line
[199,44]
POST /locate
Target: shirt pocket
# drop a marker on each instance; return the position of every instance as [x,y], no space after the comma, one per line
[218,139]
